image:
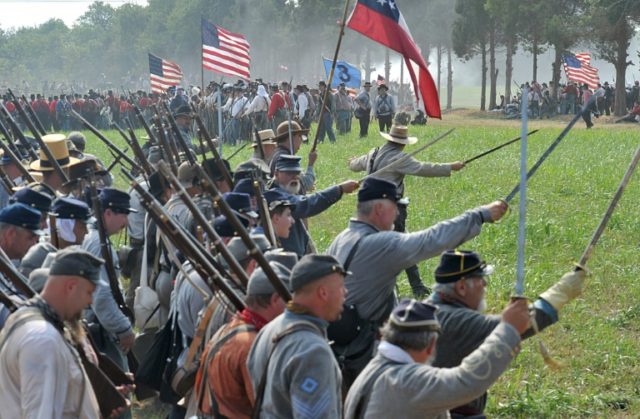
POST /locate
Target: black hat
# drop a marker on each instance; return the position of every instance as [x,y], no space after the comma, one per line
[367,84]
[210,166]
[383,86]
[183,110]
[313,267]
[240,202]
[414,316]
[288,163]
[116,200]
[374,188]
[70,208]
[277,197]
[456,264]
[21,215]
[259,283]
[34,199]
[75,261]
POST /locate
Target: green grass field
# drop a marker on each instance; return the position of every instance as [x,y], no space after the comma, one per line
[597,336]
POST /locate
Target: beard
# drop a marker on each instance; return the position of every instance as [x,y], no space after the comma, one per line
[293,187]
[482,306]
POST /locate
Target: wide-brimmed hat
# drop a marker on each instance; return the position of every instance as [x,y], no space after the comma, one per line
[398,134]
[282,132]
[383,86]
[266,137]
[58,146]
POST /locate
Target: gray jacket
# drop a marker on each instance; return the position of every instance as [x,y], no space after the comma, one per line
[412,390]
[382,255]
[104,306]
[303,379]
[380,157]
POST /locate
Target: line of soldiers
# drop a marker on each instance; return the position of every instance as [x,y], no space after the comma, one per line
[238,314]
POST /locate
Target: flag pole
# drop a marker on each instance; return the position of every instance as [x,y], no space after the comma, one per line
[333,68]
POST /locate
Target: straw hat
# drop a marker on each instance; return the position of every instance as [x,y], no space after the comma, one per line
[398,134]
[58,146]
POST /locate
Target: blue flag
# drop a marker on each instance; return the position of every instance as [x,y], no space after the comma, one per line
[344,73]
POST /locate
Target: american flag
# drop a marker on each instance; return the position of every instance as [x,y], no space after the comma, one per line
[224,52]
[578,68]
[380,80]
[164,74]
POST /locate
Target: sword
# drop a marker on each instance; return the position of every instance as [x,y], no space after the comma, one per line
[530,133]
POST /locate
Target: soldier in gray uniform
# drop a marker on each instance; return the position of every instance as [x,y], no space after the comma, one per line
[376,255]
[72,216]
[392,150]
[400,382]
[111,329]
[293,372]
[461,278]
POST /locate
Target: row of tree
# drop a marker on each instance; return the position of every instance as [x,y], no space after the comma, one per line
[108,46]
[483,26]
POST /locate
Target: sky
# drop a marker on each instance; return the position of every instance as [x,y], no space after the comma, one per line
[19,13]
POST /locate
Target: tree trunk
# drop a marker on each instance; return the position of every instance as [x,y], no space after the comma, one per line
[387,66]
[535,58]
[367,65]
[493,72]
[449,77]
[624,35]
[483,91]
[508,71]
[439,59]
[555,70]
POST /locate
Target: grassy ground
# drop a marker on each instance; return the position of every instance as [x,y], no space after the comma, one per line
[597,337]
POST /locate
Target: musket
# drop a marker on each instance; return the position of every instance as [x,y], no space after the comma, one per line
[32,113]
[6,301]
[9,153]
[265,215]
[17,133]
[184,242]
[549,150]
[116,160]
[104,139]
[407,156]
[137,166]
[7,135]
[18,280]
[216,156]
[168,146]
[43,146]
[254,251]
[607,216]
[7,183]
[178,135]
[147,128]
[530,133]
[137,150]
[205,224]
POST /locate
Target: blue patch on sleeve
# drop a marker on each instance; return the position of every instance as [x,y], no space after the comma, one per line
[309,385]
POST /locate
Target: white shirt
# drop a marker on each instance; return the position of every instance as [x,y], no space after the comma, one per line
[302,104]
[40,376]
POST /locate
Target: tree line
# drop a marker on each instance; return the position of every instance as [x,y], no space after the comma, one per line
[109,46]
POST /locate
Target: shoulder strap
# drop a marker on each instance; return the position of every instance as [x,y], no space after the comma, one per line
[21,317]
[352,253]
[365,393]
[372,161]
[292,328]
[204,388]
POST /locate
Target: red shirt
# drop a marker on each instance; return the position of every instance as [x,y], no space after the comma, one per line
[278,102]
